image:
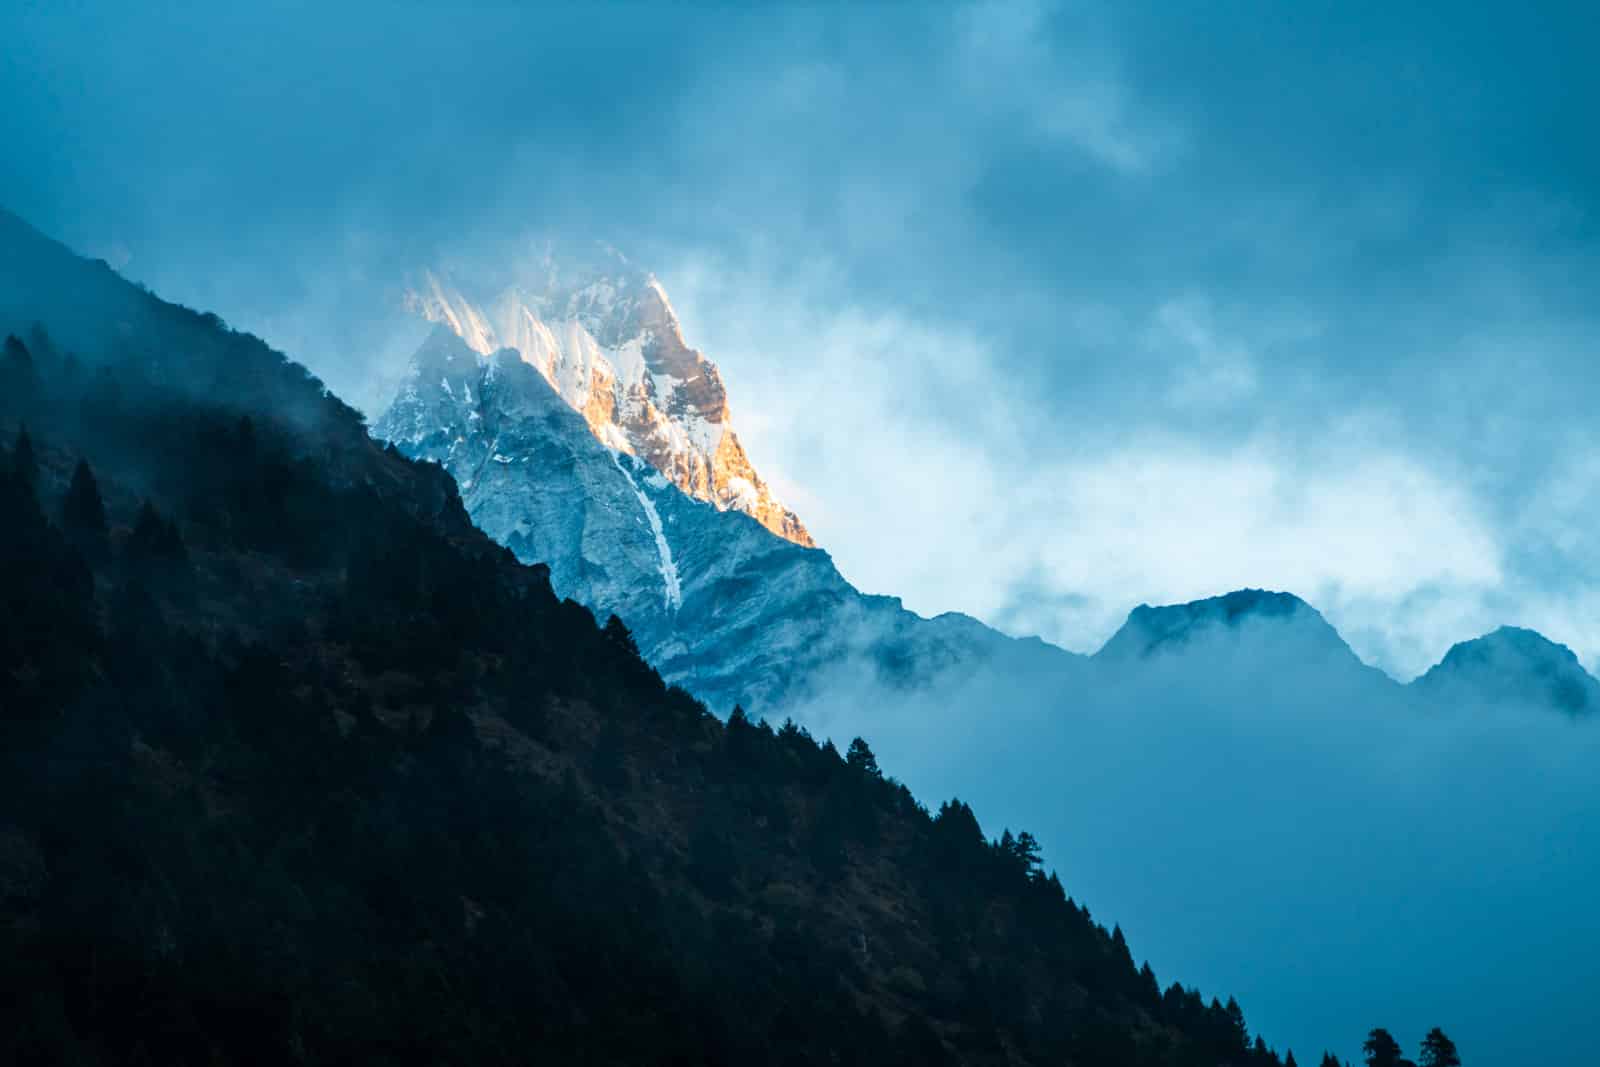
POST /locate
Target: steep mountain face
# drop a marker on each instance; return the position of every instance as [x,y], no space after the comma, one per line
[1513,665]
[716,602]
[605,337]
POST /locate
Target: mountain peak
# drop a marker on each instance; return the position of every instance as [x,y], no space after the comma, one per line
[1514,664]
[603,333]
[1151,630]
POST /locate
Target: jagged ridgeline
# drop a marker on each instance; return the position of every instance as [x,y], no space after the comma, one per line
[296,766]
[605,337]
[717,602]
[582,432]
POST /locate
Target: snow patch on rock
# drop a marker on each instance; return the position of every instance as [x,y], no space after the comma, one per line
[672,588]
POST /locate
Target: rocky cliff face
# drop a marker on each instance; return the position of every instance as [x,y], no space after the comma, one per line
[605,337]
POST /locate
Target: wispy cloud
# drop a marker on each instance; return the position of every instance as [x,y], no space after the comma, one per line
[1067,87]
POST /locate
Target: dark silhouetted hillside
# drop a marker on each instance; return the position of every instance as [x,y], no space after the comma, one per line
[297,767]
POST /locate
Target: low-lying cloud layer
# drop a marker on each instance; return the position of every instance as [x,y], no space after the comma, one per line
[1309,839]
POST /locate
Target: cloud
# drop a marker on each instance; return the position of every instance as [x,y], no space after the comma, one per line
[1216,372]
[950,486]
[1334,856]
[1013,58]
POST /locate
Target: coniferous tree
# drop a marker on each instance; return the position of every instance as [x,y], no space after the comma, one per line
[155,540]
[1288,1059]
[1238,1032]
[957,837]
[1381,1049]
[618,634]
[1119,945]
[42,347]
[83,513]
[859,757]
[1027,852]
[146,528]
[1438,1051]
[24,464]
[1329,1060]
[19,378]
[1147,983]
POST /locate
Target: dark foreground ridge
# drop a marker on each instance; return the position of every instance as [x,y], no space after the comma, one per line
[296,766]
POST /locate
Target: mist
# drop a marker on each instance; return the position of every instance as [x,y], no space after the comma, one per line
[1325,845]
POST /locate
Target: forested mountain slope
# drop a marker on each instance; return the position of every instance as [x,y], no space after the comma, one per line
[296,766]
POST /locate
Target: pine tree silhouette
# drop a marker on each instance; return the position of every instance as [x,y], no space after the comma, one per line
[155,540]
[1438,1051]
[619,634]
[24,464]
[83,513]
[1238,1032]
[19,377]
[1381,1049]
[860,758]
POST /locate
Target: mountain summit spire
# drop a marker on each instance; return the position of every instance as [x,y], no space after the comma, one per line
[607,340]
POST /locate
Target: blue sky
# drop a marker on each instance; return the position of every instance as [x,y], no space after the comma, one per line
[1034,311]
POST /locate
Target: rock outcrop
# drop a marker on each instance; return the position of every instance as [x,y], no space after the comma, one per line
[605,337]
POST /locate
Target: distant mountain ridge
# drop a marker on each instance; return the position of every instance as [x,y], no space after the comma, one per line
[1151,630]
[1512,662]
[1264,630]
[735,614]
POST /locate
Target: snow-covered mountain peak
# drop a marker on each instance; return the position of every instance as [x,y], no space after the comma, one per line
[606,338]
